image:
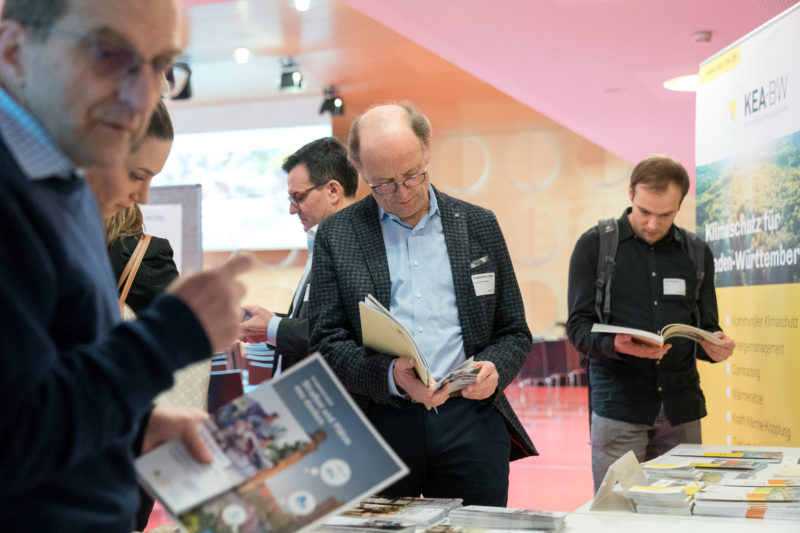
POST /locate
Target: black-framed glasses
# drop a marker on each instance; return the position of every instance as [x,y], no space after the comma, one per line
[296,198]
[112,55]
[389,188]
[176,79]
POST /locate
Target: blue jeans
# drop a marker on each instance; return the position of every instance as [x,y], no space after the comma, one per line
[611,439]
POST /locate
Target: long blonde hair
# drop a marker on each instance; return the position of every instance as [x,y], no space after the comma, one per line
[128,223]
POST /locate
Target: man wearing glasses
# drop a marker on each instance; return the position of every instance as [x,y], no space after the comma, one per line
[79,80]
[321,182]
[442,268]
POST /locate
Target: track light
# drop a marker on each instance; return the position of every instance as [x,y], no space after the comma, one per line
[291,77]
[333,103]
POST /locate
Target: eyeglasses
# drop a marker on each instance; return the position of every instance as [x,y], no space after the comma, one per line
[389,188]
[296,198]
[111,55]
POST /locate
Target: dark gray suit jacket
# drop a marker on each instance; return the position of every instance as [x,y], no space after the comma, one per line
[350,262]
[291,340]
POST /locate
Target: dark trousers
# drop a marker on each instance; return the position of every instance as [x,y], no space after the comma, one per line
[462,452]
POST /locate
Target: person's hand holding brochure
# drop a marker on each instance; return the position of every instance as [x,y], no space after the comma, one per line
[383,333]
[658,339]
[289,453]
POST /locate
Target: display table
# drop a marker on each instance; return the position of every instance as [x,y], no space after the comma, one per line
[585,519]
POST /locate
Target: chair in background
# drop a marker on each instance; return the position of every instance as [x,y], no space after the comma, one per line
[224,387]
[259,360]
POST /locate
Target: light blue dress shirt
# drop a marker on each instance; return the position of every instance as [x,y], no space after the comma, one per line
[423,297]
[29,143]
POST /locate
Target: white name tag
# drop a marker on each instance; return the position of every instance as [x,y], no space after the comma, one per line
[674,287]
[308,290]
[483,283]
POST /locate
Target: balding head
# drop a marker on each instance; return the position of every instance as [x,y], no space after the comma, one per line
[382,124]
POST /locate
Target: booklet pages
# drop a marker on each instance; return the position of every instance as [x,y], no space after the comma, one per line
[286,455]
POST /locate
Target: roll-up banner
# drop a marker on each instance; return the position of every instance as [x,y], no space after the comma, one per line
[748,211]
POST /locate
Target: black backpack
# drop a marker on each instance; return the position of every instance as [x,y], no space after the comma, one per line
[608,231]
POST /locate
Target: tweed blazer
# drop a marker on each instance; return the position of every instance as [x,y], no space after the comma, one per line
[350,262]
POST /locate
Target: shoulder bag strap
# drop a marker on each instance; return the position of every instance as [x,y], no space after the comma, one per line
[131,268]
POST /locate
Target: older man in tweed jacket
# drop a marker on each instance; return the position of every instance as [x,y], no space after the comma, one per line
[442,267]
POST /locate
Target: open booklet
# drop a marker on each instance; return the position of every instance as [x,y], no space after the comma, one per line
[382,332]
[658,339]
[286,455]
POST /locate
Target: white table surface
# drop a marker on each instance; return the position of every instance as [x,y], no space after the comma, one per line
[583,519]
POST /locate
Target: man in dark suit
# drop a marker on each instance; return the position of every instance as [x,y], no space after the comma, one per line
[79,80]
[321,181]
[442,268]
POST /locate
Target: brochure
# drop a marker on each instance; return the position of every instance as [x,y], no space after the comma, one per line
[286,455]
[382,332]
[658,339]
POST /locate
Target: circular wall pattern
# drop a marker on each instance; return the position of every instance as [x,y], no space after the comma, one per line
[468,164]
[541,306]
[598,167]
[532,234]
[533,160]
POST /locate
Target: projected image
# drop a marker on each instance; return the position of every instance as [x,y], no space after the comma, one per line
[245,203]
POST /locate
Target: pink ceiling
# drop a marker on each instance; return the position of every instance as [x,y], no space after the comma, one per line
[595,66]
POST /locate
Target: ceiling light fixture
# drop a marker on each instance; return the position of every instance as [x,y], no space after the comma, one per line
[688,83]
[241,55]
[333,103]
[291,77]
[302,5]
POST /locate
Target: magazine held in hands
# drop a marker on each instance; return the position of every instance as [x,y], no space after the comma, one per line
[658,339]
[382,332]
[286,455]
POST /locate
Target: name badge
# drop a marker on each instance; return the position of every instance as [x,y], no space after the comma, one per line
[483,283]
[674,287]
[308,290]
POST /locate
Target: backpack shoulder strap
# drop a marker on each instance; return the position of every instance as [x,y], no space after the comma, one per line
[608,232]
[695,247]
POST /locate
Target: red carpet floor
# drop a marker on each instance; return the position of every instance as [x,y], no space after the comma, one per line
[560,478]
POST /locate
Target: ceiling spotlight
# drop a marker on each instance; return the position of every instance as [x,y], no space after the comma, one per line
[241,55]
[291,77]
[302,5]
[333,103]
[688,83]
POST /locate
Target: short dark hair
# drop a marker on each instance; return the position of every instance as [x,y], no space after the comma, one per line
[657,172]
[326,159]
[417,121]
[38,15]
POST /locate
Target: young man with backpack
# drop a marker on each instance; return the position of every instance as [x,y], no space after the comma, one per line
[642,271]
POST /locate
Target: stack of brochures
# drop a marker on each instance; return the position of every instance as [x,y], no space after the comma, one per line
[391,514]
[670,468]
[665,496]
[506,518]
[750,502]
[354,524]
[745,455]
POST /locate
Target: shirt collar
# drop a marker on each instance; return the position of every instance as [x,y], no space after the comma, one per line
[433,209]
[626,230]
[29,143]
[310,236]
